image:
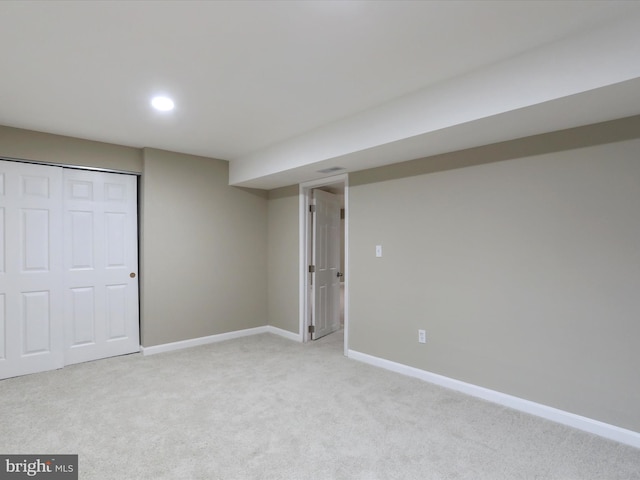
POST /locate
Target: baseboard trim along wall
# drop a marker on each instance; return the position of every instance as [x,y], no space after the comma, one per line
[195,342]
[296,337]
[596,427]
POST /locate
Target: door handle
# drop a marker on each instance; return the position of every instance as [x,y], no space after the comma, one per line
[340,275]
[132,275]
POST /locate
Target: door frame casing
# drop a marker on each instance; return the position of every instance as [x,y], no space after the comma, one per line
[305,198]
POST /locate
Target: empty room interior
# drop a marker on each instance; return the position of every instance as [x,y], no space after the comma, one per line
[320,239]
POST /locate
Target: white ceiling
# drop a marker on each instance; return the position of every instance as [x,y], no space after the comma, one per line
[282,89]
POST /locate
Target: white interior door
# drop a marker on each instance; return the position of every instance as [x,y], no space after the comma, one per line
[100,265]
[31,329]
[325,317]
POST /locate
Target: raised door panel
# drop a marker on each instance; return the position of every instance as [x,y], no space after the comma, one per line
[80,231]
[36,323]
[34,240]
[115,240]
[116,312]
[82,316]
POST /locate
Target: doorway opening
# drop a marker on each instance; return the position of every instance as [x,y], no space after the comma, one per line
[324,258]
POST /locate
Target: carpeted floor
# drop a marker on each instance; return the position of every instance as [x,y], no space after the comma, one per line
[264,407]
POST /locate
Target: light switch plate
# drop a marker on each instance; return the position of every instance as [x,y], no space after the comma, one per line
[378,250]
[422,336]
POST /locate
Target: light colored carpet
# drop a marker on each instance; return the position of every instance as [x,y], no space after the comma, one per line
[264,407]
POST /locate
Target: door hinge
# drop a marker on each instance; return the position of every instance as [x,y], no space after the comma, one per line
[312,269]
[312,208]
[312,329]
[342,214]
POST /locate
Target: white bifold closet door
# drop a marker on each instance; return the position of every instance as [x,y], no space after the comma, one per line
[68,267]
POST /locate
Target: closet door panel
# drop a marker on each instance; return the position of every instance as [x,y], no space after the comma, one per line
[101,265]
[31,235]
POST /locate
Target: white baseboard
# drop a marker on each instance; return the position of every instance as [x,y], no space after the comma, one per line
[296,337]
[596,427]
[221,337]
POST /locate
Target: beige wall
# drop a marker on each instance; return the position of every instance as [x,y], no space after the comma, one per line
[284,257]
[523,267]
[56,149]
[524,273]
[204,250]
[519,259]
[203,244]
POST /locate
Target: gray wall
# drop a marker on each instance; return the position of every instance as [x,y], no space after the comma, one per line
[283,248]
[204,250]
[524,273]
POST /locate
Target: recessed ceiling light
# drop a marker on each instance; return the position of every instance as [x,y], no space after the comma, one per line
[163,104]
